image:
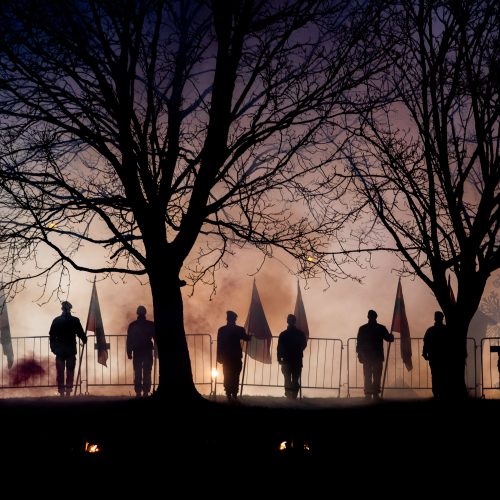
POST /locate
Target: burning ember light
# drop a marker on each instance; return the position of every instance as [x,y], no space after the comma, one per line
[91,448]
[215,373]
[293,445]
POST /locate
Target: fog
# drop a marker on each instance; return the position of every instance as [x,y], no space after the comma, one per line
[334,310]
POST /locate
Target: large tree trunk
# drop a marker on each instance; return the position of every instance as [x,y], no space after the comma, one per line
[458,318]
[455,386]
[175,374]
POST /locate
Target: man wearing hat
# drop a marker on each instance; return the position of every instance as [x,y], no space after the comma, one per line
[62,337]
[229,353]
[370,349]
[140,335]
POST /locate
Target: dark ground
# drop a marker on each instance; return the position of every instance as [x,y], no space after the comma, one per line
[388,448]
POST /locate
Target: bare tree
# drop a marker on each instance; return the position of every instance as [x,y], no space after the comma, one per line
[163,134]
[427,166]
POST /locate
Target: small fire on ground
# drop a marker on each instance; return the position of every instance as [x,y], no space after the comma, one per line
[92,447]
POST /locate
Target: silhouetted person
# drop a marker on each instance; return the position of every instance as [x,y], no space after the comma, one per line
[434,351]
[291,345]
[230,353]
[140,335]
[370,349]
[62,337]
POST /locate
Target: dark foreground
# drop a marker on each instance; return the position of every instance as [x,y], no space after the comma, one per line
[387,448]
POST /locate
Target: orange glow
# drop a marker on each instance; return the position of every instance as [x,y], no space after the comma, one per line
[91,448]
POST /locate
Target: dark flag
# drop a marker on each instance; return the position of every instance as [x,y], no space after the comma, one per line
[300,313]
[94,324]
[5,337]
[259,348]
[400,324]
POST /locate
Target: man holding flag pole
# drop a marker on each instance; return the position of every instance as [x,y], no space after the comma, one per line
[62,337]
[370,350]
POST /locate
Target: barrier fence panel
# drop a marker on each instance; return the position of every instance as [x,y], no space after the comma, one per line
[119,371]
[322,366]
[490,367]
[399,381]
[34,368]
[321,372]
[33,372]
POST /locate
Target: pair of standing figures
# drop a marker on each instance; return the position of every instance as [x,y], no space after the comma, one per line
[445,366]
[64,331]
[291,345]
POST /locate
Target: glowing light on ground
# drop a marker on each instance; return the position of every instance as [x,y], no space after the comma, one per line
[91,448]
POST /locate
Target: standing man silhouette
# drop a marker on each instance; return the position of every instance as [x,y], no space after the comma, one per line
[370,349]
[62,338]
[434,352]
[140,336]
[230,353]
[291,345]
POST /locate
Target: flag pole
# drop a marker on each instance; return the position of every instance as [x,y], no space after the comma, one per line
[385,368]
[78,376]
[83,346]
[244,368]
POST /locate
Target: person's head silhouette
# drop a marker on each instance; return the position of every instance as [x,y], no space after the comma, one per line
[438,317]
[231,317]
[66,307]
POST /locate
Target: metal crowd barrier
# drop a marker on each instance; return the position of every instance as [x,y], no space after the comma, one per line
[327,368]
[321,372]
[34,366]
[416,382]
[490,365]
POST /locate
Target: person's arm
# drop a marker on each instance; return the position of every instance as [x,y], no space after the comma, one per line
[220,348]
[359,342]
[129,343]
[79,331]
[360,346]
[425,349]
[387,336]
[280,350]
[52,338]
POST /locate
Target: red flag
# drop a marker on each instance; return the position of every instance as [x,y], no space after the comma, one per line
[5,337]
[300,313]
[259,348]
[400,324]
[94,324]
[450,291]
